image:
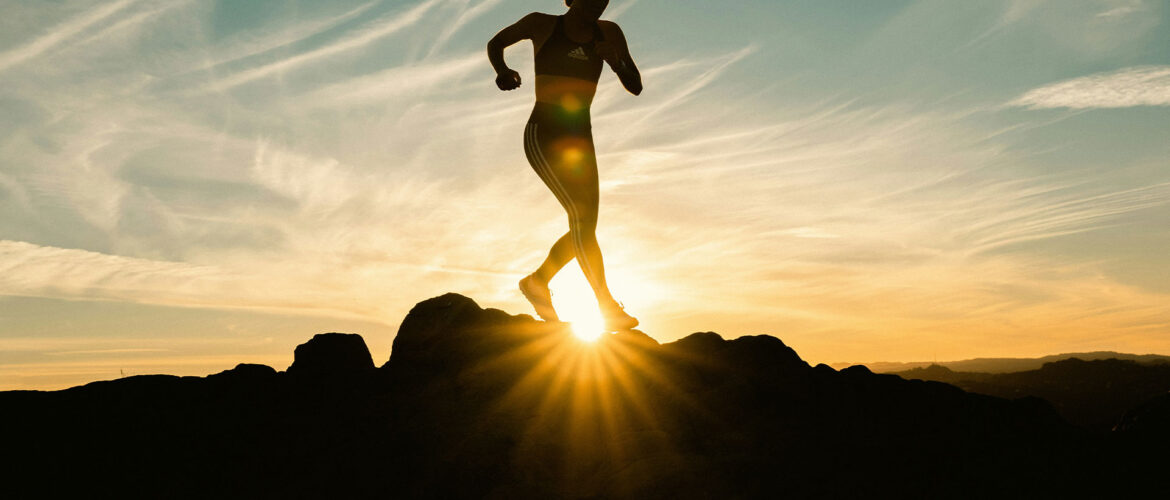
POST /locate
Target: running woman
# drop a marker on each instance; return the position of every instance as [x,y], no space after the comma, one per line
[558,140]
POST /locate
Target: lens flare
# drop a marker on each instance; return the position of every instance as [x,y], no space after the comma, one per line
[571,103]
[576,305]
[572,156]
[589,329]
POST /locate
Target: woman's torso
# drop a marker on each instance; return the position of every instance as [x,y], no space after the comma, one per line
[566,74]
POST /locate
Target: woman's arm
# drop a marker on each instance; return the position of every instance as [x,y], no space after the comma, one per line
[524,29]
[616,52]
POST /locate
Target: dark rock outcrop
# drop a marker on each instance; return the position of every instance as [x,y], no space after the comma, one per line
[330,354]
[244,372]
[1148,421]
[478,403]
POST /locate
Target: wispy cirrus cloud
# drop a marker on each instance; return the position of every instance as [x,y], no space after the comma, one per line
[375,31]
[32,270]
[258,41]
[1093,27]
[397,83]
[1137,86]
[466,15]
[1123,8]
[60,33]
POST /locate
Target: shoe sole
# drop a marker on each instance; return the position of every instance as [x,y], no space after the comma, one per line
[623,325]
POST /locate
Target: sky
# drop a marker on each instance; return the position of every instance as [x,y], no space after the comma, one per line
[190,184]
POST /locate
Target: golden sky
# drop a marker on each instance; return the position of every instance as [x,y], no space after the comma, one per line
[189,184]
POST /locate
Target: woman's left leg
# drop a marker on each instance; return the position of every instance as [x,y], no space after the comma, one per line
[560,254]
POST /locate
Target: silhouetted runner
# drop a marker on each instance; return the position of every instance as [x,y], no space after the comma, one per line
[558,140]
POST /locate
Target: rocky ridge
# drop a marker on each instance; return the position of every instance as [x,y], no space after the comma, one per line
[478,403]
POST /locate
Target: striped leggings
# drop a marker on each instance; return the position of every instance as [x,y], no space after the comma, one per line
[564,159]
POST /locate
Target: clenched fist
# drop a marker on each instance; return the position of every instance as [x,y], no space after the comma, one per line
[508,80]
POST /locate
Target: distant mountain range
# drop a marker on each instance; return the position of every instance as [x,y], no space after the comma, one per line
[1005,365]
[477,403]
[1093,394]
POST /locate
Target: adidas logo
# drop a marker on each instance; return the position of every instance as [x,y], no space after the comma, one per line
[578,53]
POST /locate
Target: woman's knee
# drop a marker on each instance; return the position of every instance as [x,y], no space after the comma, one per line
[584,225]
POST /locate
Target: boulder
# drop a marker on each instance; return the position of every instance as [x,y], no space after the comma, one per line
[331,354]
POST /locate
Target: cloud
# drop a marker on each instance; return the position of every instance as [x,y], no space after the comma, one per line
[1093,28]
[397,83]
[681,93]
[378,30]
[1122,8]
[109,351]
[258,42]
[466,15]
[59,34]
[32,270]
[1137,86]
[35,270]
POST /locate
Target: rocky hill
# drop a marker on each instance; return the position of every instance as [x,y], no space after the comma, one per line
[478,403]
[1009,365]
[1092,394]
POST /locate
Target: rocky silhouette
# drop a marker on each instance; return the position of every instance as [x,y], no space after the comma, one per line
[332,355]
[1092,394]
[1008,365]
[477,403]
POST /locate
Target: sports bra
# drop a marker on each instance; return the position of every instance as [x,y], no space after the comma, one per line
[563,57]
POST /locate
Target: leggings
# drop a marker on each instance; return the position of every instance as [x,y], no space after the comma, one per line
[560,150]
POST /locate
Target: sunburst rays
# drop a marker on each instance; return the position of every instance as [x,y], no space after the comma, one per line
[601,400]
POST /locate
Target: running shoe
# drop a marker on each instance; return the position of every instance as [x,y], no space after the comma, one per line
[616,318]
[540,297]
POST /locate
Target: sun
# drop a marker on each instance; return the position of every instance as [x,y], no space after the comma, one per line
[587,330]
[575,303]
